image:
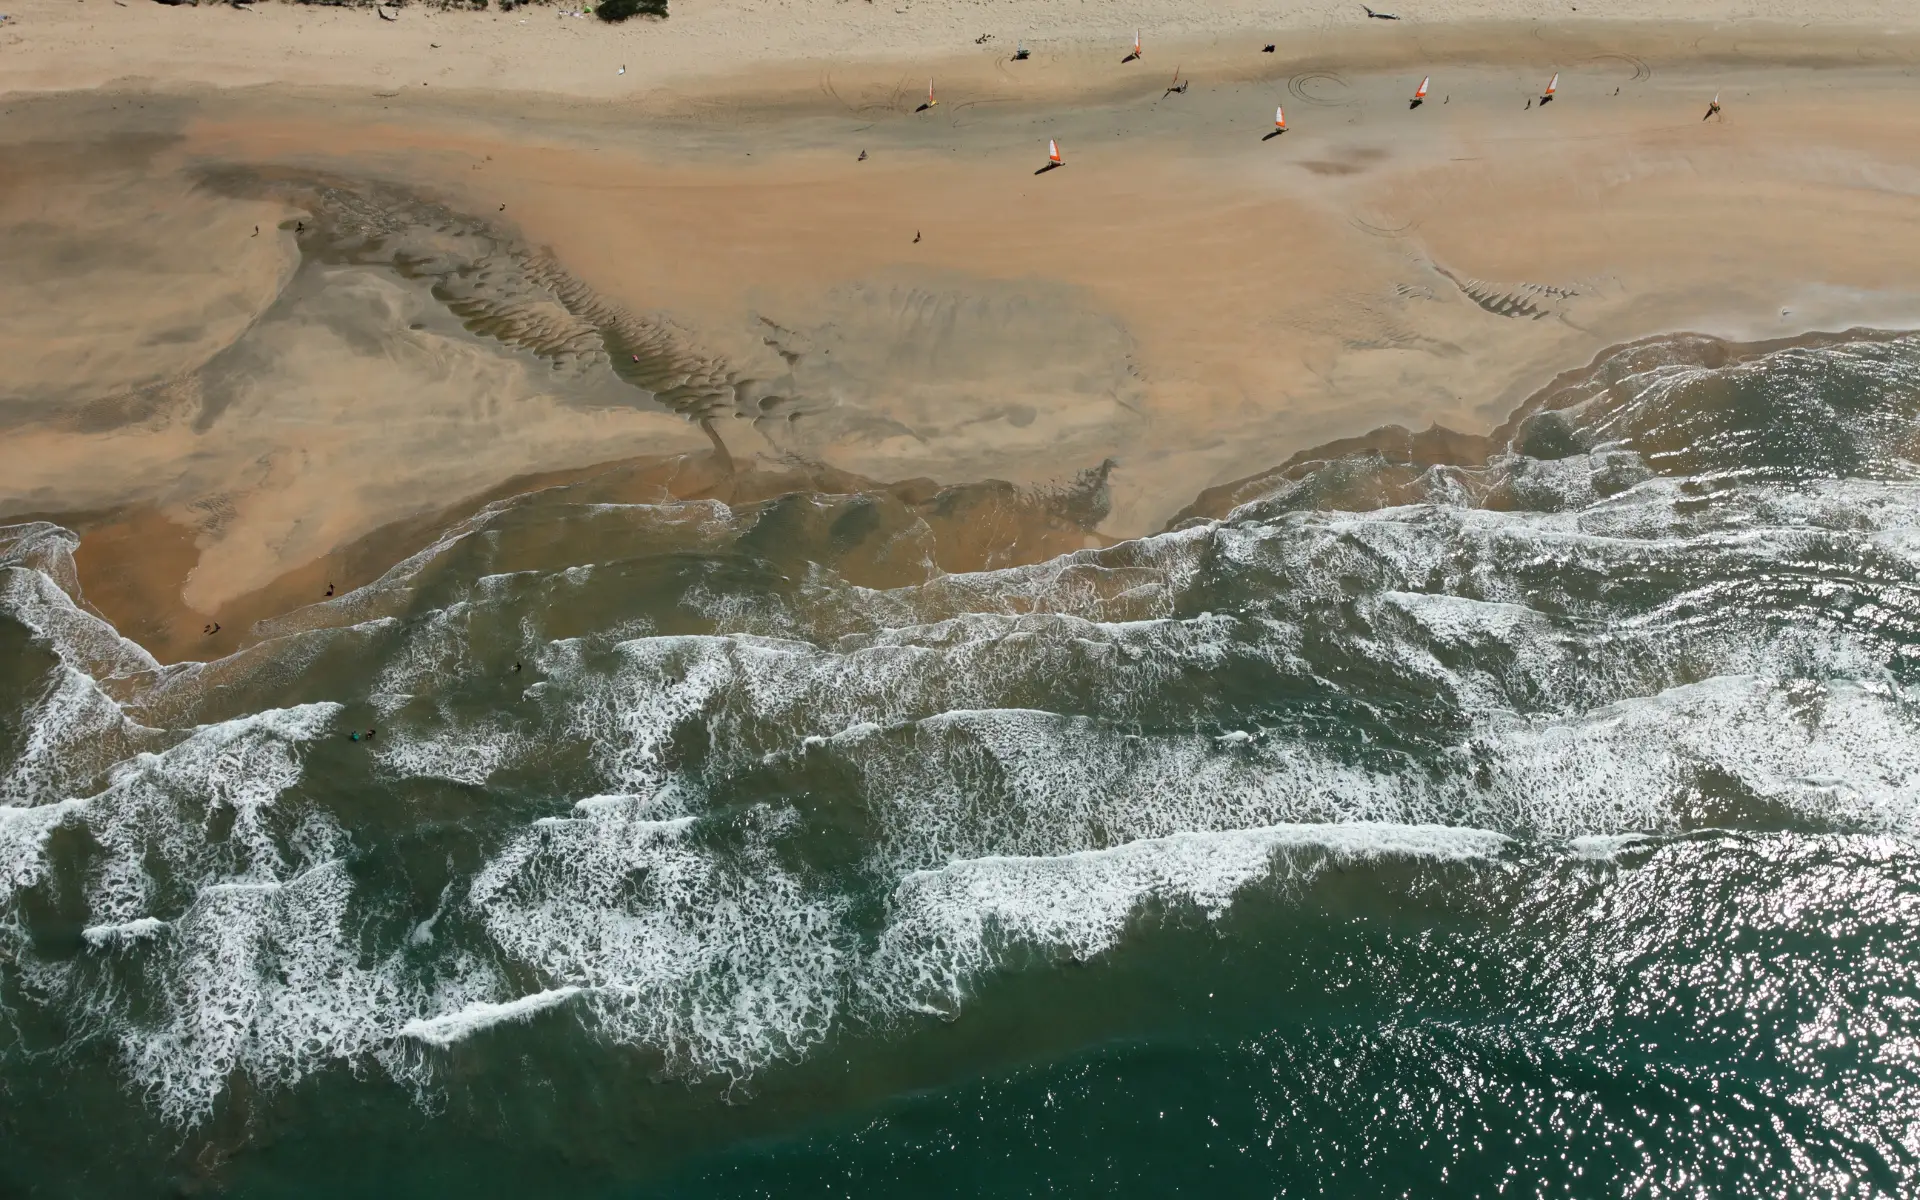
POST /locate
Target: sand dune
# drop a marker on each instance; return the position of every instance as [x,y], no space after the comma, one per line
[452,288]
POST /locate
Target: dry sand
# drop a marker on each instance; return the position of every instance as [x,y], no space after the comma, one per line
[1185,299]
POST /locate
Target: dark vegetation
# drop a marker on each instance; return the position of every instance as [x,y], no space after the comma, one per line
[620,10]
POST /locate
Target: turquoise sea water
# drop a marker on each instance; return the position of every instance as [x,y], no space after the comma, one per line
[1542,827]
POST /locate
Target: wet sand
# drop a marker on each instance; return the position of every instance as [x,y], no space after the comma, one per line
[249,416]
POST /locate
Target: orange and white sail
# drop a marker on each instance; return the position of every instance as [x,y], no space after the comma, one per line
[1421,94]
[1552,84]
[1280,118]
[1053,153]
[930,100]
[1136,44]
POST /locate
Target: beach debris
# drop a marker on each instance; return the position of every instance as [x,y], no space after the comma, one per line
[1177,87]
[1380,16]
[1020,52]
[1135,52]
[1713,110]
[1553,85]
[1054,161]
[983,39]
[1420,94]
[930,100]
[1279,124]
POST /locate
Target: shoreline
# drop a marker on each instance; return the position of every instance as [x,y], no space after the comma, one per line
[130,559]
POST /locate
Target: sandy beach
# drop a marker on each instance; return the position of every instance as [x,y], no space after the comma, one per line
[281,289]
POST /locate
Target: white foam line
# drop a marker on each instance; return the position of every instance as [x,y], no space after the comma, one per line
[952,925]
[448,1028]
[1605,847]
[1354,839]
[139,929]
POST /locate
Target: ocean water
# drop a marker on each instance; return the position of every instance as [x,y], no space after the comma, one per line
[1542,826]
